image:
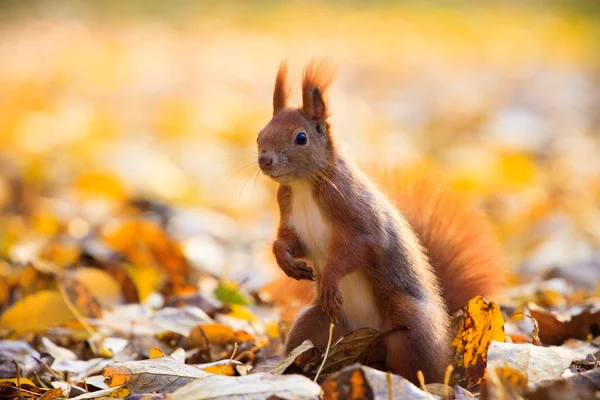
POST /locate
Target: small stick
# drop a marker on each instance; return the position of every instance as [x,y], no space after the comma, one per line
[231,358]
[18,379]
[421,379]
[331,326]
[449,370]
[390,383]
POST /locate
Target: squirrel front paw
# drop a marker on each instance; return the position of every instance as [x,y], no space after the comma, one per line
[331,303]
[297,269]
[292,268]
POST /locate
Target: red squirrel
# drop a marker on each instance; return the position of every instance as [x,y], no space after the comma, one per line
[384,263]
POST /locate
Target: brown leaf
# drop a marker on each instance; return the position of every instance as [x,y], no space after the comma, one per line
[81,297]
[298,357]
[362,345]
[575,322]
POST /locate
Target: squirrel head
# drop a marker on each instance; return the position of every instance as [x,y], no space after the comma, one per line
[296,144]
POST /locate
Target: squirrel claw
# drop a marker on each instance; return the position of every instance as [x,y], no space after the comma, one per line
[298,270]
[331,304]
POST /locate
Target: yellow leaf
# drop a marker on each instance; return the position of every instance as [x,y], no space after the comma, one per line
[36,313]
[273,330]
[155,352]
[146,279]
[241,312]
[101,285]
[95,184]
[480,323]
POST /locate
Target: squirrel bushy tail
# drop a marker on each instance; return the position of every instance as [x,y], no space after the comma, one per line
[458,239]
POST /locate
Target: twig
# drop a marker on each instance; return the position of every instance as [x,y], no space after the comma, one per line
[18,379]
[421,379]
[75,311]
[389,386]
[449,370]
[230,359]
[331,326]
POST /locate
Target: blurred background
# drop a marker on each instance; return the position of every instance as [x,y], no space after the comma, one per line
[161,102]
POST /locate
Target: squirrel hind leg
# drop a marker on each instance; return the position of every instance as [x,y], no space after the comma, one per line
[424,345]
[312,324]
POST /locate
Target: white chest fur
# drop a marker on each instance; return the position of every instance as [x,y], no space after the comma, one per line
[309,224]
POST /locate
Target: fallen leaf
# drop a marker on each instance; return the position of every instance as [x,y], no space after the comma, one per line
[576,322]
[261,386]
[585,386]
[119,392]
[103,287]
[463,394]
[216,334]
[228,292]
[503,383]
[9,388]
[180,320]
[25,356]
[161,375]
[480,324]
[81,297]
[537,363]
[361,382]
[306,350]
[36,313]
[362,345]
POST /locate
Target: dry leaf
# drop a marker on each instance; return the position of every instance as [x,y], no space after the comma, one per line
[306,351]
[36,313]
[480,323]
[261,386]
[360,382]
[585,386]
[503,383]
[362,345]
[576,322]
[81,297]
[537,363]
[160,375]
[216,334]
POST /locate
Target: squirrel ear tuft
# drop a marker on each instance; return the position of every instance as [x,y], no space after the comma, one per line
[282,90]
[316,79]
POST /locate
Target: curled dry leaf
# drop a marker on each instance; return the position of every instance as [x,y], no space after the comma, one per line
[361,382]
[480,323]
[537,363]
[161,375]
[306,351]
[575,322]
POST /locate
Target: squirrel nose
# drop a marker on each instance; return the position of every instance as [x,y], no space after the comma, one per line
[265,161]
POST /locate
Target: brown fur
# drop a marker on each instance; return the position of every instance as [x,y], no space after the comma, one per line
[281,93]
[374,272]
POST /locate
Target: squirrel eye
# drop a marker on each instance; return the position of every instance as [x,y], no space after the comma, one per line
[301,138]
